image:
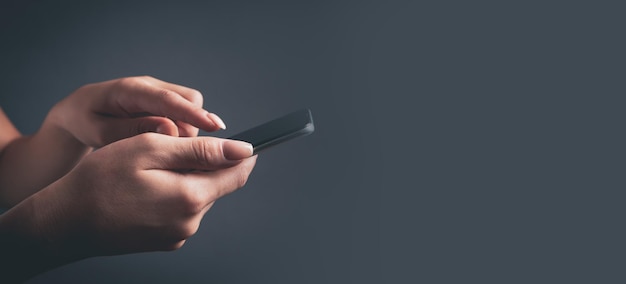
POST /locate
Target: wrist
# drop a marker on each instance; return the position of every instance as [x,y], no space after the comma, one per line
[56,124]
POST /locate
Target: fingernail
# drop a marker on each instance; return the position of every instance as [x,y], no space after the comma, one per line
[217,120]
[236,150]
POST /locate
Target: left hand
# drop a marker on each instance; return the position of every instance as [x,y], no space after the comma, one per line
[101,113]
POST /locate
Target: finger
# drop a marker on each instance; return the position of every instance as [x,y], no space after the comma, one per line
[177,245]
[137,96]
[231,179]
[186,129]
[192,95]
[199,153]
[216,184]
[112,129]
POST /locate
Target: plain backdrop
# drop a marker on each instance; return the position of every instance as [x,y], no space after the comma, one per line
[456,141]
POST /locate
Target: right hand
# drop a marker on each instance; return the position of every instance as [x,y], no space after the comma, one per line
[144,193]
[101,113]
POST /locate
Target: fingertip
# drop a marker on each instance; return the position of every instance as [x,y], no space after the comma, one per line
[216,120]
[167,127]
[236,150]
[186,129]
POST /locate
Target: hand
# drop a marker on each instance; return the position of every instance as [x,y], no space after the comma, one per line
[101,113]
[145,193]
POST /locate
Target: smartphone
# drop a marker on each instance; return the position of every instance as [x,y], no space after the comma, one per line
[279,130]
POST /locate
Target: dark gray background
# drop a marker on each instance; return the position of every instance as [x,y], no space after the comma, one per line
[455,142]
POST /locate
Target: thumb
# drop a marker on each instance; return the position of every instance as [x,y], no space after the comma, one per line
[200,153]
[113,129]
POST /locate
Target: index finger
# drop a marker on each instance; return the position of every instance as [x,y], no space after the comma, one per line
[192,95]
[137,96]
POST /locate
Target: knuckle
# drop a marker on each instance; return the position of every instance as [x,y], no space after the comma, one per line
[201,152]
[195,97]
[192,201]
[149,140]
[205,152]
[165,98]
[166,94]
[127,81]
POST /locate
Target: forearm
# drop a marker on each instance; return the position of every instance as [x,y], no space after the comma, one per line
[37,235]
[30,163]
[23,254]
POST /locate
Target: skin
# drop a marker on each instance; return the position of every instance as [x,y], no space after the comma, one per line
[93,116]
[140,191]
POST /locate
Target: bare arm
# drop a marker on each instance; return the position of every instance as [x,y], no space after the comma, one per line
[29,163]
[145,193]
[136,193]
[94,116]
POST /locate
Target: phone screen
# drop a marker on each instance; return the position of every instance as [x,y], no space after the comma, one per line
[287,127]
